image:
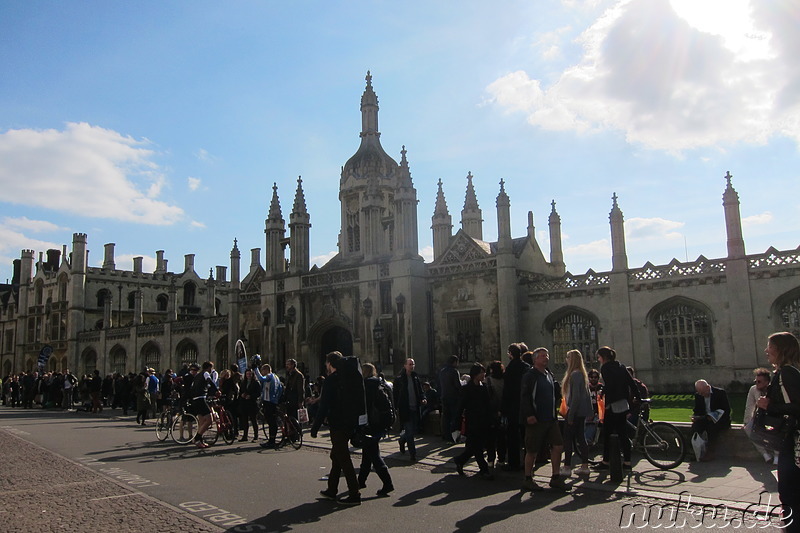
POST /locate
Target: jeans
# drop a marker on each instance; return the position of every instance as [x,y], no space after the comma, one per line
[576,429]
[371,458]
[789,486]
[410,428]
[616,423]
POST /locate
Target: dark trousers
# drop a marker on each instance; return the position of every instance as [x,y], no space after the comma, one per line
[249,415]
[271,416]
[449,422]
[476,442]
[342,463]
[496,446]
[789,486]
[514,441]
[371,458]
[616,423]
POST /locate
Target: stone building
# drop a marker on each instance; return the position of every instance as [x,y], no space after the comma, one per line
[378,299]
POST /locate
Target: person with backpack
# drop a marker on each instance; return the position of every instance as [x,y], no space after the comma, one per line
[408,400]
[271,392]
[380,418]
[337,406]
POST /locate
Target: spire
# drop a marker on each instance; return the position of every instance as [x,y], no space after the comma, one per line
[404,179]
[471,215]
[503,220]
[733,220]
[275,228]
[441,204]
[299,198]
[369,110]
[275,206]
[556,252]
[619,256]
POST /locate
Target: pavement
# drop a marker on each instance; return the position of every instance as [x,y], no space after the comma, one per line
[42,491]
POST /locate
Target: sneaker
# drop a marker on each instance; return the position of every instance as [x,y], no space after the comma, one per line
[351,500]
[385,490]
[459,467]
[566,471]
[328,494]
[557,483]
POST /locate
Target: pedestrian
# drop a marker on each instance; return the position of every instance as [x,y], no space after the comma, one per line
[271,391]
[95,389]
[511,403]
[575,389]
[377,398]
[618,388]
[475,406]
[539,400]
[409,400]
[249,396]
[761,380]
[203,388]
[342,423]
[142,397]
[294,392]
[783,399]
[496,446]
[449,393]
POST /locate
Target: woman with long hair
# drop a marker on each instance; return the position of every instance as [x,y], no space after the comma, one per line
[575,389]
[783,399]
[249,394]
[618,389]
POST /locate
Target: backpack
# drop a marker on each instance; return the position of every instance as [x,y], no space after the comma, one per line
[351,397]
[381,413]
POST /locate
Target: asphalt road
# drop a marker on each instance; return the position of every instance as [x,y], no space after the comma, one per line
[242,487]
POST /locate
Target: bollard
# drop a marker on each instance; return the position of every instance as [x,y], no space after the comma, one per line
[615,459]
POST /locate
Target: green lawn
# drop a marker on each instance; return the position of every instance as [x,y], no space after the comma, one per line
[678,407]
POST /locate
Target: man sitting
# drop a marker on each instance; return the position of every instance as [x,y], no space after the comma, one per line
[712,414]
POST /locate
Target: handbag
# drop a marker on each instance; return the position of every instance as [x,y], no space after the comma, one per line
[619,406]
[563,409]
[769,431]
[302,415]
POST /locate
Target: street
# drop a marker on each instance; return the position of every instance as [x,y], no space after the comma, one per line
[242,487]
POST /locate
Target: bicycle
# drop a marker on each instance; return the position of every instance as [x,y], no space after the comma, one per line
[167,417]
[661,443]
[289,427]
[221,424]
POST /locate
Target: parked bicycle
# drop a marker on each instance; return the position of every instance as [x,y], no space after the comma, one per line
[290,431]
[167,417]
[661,442]
[221,424]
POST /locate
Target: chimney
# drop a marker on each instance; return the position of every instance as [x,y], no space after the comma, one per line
[188,263]
[222,272]
[108,261]
[53,259]
[161,265]
[137,265]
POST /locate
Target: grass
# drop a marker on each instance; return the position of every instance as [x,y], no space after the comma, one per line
[678,407]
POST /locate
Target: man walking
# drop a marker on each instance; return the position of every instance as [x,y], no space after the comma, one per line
[538,403]
[510,405]
[449,391]
[408,400]
[332,405]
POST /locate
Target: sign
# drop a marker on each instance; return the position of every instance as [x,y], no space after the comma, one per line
[241,356]
[44,355]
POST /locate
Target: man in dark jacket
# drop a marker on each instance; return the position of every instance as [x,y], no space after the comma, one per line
[712,414]
[408,400]
[341,429]
[449,391]
[510,405]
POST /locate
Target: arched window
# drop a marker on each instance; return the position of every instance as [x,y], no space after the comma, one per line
[62,288]
[162,300]
[151,355]
[789,312]
[683,336]
[574,330]
[118,360]
[187,352]
[222,354]
[188,294]
[132,300]
[102,296]
[38,294]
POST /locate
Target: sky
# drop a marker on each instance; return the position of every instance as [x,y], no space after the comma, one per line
[163,125]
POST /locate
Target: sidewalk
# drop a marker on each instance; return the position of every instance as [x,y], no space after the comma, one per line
[717,482]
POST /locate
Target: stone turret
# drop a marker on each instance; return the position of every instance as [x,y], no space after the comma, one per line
[299,225]
[556,253]
[619,257]
[275,229]
[733,220]
[471,215]
[441,224]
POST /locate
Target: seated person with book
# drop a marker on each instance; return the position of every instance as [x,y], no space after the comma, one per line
[712,414]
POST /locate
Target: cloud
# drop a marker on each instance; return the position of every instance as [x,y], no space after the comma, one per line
[203,155]
[601,248]
[193,183]
[641,229]
[197,224]
[755,220]
[320,260]
[13,241]
[35,226]
[85,170]
[673,76]
[427,254]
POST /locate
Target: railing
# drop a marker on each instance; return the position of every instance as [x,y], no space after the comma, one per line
[773,258]
[676,269]
[584,281]
[326,279]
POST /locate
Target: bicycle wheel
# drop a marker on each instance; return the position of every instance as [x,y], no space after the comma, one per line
[226,425]
[663,445]
[594,444]
[211,435]
[163,425]
[263,430]
[184,428]
[294,433]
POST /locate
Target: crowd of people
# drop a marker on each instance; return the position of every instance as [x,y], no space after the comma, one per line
[509,413]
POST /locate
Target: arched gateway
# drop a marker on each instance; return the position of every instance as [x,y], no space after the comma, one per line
[335,338]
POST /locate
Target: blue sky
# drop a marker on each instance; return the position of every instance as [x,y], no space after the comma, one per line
[163,125]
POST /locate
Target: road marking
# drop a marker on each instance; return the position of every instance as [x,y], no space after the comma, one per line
[221,517]
[15,431]
[113,497]
[118,473]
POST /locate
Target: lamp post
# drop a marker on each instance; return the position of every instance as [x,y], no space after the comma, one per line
[377,336]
